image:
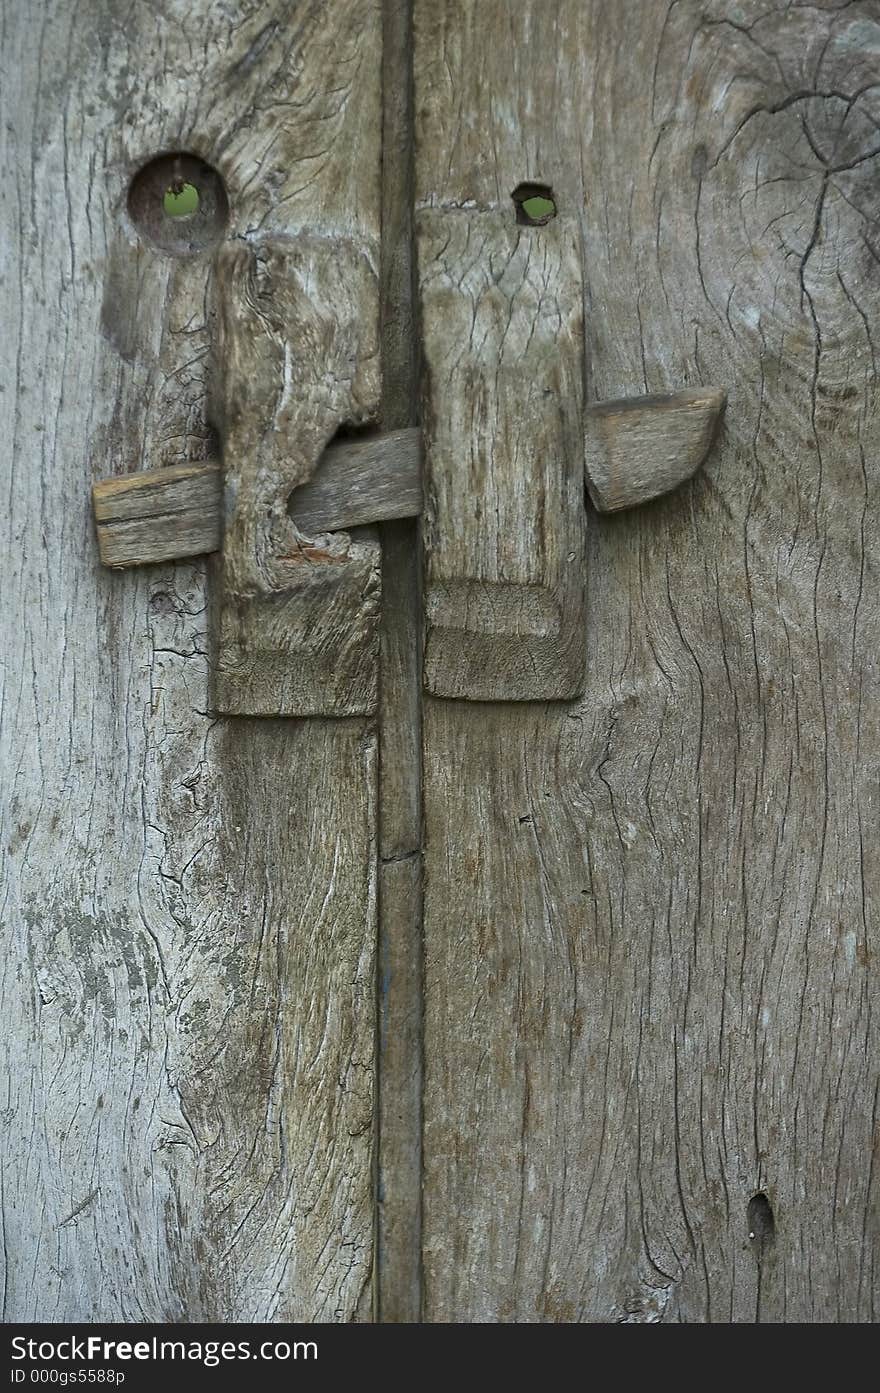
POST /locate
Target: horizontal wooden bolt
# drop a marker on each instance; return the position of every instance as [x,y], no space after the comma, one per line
[636,449]
[159,514]
[170,514]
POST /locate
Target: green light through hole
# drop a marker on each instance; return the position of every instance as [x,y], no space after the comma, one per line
[537,208]
[181,200]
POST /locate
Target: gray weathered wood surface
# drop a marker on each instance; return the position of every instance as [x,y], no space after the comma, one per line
[650,928]
[188,905]
[651,915]
[176,513]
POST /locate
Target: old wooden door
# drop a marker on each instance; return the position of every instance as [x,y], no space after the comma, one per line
[651,914]
[570,1014]
[189,987]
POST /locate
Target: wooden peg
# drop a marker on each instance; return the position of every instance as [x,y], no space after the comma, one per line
[637,448]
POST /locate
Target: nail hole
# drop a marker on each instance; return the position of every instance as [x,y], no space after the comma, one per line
[762,1224]
[534,204]
[181,200]
[178,204]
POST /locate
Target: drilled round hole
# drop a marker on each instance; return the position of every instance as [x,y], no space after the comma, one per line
[178,203]
[534,204]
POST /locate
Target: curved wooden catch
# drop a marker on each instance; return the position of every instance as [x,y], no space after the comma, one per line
[638,448]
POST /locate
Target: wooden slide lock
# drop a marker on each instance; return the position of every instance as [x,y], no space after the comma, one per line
[299,591]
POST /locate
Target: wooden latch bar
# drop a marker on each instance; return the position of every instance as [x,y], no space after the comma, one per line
[635,449]
[170,514]
[509,447]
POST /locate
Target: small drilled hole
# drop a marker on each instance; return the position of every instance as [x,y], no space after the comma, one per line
[181,200]
[534,204]
[178,203]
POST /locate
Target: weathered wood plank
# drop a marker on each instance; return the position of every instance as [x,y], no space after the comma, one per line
[171,514]
[187,904]
[502,321]
[297,357]
[651,927]
[638,448]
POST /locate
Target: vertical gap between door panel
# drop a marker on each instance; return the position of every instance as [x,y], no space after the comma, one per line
[397,1288]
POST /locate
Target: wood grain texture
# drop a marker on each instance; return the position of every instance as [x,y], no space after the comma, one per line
[159,514]
[502,324]
[362,481]
[638,448]
[297,358]
[171,514]
[651,916]
[187,904]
